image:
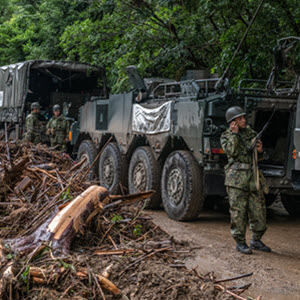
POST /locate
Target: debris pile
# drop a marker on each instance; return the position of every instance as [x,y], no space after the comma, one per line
[62,237]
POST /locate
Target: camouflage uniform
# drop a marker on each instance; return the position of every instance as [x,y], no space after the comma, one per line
[59,130]
[243,196]
[33,127]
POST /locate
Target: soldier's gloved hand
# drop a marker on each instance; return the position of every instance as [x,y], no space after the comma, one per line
[52,131]
[259,146]
[234,127]
[48,131]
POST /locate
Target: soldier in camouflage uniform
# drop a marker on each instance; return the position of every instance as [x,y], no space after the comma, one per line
[33,125]
[58,129]
[244,196]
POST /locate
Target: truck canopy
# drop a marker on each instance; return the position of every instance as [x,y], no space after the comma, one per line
[37,80]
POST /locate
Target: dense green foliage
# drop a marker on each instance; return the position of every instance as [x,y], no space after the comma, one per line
[160,37]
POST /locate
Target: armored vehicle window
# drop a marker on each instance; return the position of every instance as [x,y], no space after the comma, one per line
[173,90]
[101,117]
[159,92]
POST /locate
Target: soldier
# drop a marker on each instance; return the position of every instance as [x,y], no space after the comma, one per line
[58,129]
[33,124]
[245,196]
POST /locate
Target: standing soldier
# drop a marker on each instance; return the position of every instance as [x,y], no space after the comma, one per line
[244,192]
[33,124]
[58,129]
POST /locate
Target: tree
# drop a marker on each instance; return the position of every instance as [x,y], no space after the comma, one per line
[161,37]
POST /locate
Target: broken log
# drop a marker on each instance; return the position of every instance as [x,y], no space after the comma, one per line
[69,220]
[61,228]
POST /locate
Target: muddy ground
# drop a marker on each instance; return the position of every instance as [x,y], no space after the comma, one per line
[276,275]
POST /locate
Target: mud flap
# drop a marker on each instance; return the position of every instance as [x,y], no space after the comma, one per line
[296,180]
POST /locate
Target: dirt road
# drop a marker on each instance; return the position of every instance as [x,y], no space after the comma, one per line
[276,274]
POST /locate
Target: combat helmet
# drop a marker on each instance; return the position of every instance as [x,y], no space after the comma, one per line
[35,105]
[234,112]
[56,107]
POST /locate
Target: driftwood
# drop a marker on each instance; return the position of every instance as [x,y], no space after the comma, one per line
[59,230]
[41,216]
[43,276]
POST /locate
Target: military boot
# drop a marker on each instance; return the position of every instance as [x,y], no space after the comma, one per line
[243,248]
[259,245]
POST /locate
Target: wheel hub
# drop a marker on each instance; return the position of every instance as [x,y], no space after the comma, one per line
[175,186]
[140,177]
[108,170]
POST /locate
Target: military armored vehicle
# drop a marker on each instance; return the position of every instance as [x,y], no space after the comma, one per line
[69,84]
[166,137]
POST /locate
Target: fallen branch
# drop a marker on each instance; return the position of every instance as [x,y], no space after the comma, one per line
[233,278]
[43,276]
[223,289]
[48,174]
[96,159]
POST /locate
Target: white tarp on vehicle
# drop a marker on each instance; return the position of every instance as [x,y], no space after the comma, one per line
[151,120]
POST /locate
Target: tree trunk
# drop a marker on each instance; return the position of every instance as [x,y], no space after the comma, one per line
[61,228]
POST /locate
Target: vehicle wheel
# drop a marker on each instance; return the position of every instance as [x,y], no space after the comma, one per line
[12,135]
[270,199]
[182,186]
[88,150]
[144,174]
[291,203]
[113,168]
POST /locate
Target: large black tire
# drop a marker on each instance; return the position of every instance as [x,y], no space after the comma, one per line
[144,174]
[292,204]
[113,169]
[88,150]
[182,186]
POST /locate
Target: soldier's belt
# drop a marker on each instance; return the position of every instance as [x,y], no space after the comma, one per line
[240,166]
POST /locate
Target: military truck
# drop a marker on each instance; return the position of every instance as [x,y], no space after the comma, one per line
[166,137]
[69,84]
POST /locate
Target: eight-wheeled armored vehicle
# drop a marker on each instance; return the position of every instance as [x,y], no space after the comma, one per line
[166,137]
